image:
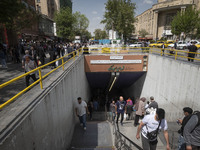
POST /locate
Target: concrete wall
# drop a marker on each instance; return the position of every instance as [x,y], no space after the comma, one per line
[50,124]
[174,84]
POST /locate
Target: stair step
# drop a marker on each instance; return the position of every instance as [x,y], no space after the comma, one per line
[98,148]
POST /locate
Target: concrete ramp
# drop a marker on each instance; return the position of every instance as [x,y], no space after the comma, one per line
[96,137]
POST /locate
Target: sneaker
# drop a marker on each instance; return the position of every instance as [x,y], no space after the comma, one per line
[81,124]
[84,128]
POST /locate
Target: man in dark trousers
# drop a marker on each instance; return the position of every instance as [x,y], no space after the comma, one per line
[120,108]
[192,50]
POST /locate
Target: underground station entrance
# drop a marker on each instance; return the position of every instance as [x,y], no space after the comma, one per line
[109,76]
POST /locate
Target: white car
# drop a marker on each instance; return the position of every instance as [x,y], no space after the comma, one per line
[136,44]
[179,45]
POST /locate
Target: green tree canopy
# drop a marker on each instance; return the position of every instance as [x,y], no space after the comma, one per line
[100,34]
[16,15]
[143,33]
[119,16]
[186,22]
[64,21]
[81,23]
[70,25]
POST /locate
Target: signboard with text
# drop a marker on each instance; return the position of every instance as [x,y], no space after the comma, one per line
[106,63]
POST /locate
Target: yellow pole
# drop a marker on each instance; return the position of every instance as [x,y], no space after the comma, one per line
[63,63]
[176,54]
[74,55]
[40,75]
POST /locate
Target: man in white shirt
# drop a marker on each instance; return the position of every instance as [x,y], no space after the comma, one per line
[81,109]
[153,123]
[28,66]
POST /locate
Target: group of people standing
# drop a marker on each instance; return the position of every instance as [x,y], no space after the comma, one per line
[152,122]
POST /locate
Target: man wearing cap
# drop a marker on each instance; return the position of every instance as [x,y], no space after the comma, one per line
[153,103]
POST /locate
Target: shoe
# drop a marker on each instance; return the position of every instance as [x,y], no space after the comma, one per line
[81,124]
[84,128]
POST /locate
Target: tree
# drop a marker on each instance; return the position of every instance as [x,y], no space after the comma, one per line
[119,16]
[99,34]
[15,15]
[143,33]
[80,24]
[64,22]
[186,22]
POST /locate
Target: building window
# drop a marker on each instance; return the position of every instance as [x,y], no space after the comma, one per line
[38,1]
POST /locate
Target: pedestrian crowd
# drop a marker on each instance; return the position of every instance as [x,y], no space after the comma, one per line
[150,121]
[36,51]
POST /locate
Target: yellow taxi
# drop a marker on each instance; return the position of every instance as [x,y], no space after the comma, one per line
[155,44]
[168,43]
[198,45]
[159,44]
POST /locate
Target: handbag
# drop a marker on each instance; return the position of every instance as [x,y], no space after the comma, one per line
[152,136]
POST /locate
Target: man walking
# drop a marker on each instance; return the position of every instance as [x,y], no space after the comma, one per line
[80,110]
[192,50]
[120,108]
[191,132]
[153,103]
[28,66]
[140,111]
[187,113]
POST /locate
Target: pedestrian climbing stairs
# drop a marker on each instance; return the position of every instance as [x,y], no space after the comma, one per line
[98,135]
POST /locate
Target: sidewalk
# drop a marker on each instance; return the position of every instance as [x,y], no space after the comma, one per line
[14,70]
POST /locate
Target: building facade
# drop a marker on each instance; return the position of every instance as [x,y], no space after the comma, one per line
[156,20]
[47,9]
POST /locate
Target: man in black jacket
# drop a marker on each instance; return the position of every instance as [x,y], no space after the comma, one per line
[192,50]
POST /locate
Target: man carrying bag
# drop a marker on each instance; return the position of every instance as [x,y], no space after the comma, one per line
[150,127]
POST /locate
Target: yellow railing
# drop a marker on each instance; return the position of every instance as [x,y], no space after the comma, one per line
[40,76]
[118,50]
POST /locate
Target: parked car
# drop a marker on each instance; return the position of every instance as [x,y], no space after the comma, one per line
[198,45]
[155,44]
[194,41]
[168,43]
[181,45]
[136,44]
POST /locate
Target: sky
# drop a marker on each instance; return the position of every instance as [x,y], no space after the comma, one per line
[94,10]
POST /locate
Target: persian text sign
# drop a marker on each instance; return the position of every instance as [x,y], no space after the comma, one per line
[115,61]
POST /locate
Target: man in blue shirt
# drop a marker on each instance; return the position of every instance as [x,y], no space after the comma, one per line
[120,108]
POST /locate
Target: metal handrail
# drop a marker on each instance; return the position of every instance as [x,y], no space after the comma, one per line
[74,53]
[122,141]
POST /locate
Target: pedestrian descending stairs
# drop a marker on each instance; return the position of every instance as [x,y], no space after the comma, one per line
[97,136]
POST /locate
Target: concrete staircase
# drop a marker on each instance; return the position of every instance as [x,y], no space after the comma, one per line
[105,148]
[98,135]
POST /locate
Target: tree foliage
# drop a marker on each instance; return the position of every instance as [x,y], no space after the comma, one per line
[119,16]
[17,15]
[64,21]
[70,25]
[187,22]
[143,33]
[100,34]
[81,23]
